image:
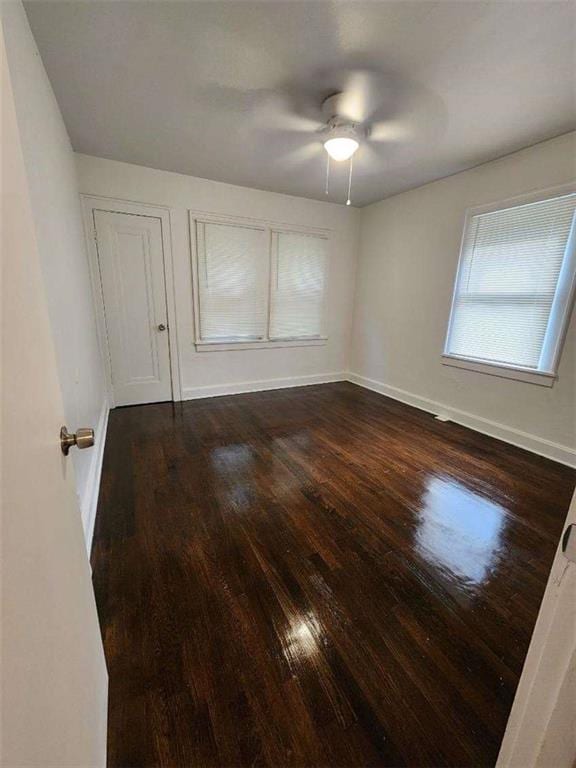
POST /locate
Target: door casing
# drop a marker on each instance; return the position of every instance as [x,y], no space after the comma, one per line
[91,203]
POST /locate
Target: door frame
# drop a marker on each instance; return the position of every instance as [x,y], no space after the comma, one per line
[91,203]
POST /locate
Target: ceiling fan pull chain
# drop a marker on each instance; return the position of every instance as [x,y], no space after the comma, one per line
[327,173]
[348,201]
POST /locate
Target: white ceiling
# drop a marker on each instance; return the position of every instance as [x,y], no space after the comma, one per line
[231,90]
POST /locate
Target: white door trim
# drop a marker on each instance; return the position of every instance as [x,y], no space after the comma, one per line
[90,203]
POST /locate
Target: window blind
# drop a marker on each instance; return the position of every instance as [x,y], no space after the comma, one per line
[507,280]
[298,284]
[232,282]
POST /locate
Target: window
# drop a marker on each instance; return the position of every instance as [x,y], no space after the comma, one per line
[232,282]
[514,289]
[256,285]
[298,274]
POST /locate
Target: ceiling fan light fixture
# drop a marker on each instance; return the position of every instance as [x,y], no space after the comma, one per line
[341,147]
[341,141]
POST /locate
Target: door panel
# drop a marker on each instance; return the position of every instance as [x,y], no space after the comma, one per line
[54,681]
[540,732]
[132,272]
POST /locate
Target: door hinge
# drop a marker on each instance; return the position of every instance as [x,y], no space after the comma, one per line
[95,236]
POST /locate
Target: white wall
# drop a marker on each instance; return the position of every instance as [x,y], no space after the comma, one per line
[56,207]
[207,373]
[408,258]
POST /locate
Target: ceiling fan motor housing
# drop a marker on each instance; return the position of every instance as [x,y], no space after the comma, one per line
[332,107]
[337,126]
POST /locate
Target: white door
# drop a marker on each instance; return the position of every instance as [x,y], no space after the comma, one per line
[54,681]
[541,731]
[131,260]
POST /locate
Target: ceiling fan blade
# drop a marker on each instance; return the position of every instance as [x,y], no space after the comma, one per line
[294,124]
[275,114]
[300,155]
[358,99]
[391,131]
[366,159]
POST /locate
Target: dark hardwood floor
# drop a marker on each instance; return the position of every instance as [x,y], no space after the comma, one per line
[316,577]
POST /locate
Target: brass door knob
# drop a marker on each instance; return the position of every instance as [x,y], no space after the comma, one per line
[161,327]
[82,438]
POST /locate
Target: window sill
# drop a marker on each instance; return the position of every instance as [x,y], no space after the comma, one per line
[229,346]
[529,375]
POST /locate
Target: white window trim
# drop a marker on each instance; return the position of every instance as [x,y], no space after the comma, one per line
[228,346]
[530,375]
[559,313]
[271,228]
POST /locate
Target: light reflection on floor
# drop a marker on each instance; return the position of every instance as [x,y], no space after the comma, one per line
[236,456]
[459,531]
[300,642]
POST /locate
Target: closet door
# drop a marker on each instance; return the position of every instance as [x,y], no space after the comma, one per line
[131,260]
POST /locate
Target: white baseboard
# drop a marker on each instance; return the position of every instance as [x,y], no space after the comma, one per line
[218,390]
[547,448]
[89,501]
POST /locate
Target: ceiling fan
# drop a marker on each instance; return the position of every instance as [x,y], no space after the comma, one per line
[357,106]
[363,112]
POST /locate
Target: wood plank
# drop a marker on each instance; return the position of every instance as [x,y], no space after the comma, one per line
[317,576]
